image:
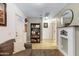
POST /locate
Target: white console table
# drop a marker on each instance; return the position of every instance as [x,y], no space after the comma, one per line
[68,40]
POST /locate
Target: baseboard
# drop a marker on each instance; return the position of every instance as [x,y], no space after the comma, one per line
[62,52]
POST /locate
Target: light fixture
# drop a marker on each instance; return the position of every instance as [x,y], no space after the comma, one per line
[46,18]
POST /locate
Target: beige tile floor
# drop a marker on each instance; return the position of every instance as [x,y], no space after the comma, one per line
[47,44]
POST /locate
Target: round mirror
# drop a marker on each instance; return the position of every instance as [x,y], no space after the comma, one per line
[67,17]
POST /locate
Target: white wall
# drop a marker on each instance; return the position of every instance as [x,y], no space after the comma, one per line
[47,32]
[8,32]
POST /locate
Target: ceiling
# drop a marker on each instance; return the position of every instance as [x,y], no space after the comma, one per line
[40,9]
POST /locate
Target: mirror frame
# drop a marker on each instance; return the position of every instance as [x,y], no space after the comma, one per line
[67,24]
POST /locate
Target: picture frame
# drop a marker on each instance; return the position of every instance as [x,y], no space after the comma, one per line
[3,19]
[45,25]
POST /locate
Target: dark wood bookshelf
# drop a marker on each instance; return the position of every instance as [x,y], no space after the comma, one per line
[35,33]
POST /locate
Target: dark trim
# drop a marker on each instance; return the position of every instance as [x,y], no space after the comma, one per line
[67,24]
[5,15]
[70,26]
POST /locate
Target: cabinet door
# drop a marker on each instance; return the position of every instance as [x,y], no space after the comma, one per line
[67,45]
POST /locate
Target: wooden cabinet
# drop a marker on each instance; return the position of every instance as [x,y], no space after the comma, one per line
[35,33]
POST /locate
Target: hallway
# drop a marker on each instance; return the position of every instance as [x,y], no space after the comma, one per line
[31,24]
[39,29]
[47,44]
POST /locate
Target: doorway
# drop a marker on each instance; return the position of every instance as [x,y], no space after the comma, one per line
[49,40]
[19,32]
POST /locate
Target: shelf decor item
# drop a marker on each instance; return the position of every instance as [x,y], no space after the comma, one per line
[26,22]
[3,19]
[45,25]
[67,17]
[25,27]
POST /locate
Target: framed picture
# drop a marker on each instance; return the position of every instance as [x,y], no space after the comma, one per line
[45,25]
[3,19]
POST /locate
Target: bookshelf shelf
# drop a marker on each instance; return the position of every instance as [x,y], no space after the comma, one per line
[35,32]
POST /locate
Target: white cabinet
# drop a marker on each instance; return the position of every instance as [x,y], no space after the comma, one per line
[68,40]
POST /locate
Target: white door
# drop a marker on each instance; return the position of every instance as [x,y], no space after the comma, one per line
[19,44]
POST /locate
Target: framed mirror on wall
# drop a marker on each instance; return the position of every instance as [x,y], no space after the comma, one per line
[67,17]
[3,17]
